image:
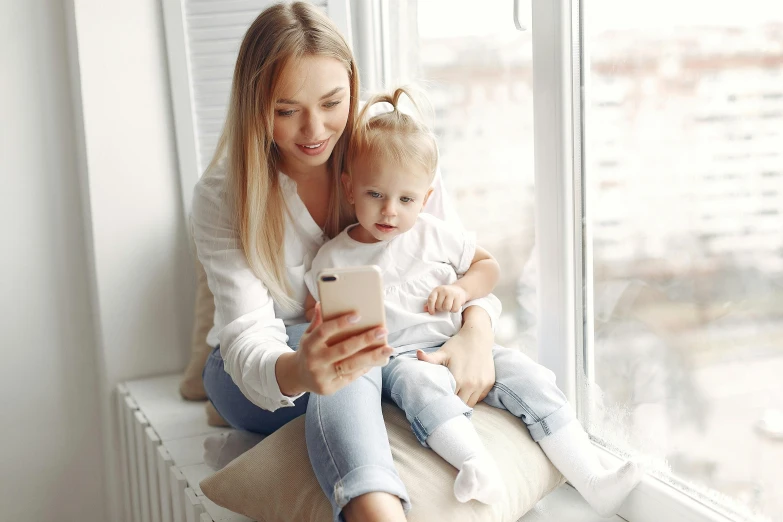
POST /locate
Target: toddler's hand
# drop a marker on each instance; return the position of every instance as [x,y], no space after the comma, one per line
[446,298]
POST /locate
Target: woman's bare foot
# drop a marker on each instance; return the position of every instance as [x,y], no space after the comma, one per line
[374,507]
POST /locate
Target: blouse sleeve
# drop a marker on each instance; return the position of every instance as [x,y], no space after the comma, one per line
[251,336]
[441,206]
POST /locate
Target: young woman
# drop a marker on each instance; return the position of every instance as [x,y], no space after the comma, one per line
[269,199]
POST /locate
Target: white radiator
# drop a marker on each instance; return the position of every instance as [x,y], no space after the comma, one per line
[154,489]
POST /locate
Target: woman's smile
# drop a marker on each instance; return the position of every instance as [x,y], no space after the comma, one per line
[315,148]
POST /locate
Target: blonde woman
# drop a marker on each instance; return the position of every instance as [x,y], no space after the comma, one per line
[269,199]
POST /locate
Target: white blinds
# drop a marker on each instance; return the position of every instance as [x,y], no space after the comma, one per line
[203,38]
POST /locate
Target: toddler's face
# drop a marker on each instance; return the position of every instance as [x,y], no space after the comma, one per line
[387,198]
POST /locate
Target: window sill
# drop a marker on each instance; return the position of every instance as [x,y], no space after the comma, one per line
[653,500]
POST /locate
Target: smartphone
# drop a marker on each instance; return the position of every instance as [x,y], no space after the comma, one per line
[354,289]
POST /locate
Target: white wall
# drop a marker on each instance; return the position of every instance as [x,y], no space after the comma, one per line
[96,278]
[142,281]
[51,464]
[143,272]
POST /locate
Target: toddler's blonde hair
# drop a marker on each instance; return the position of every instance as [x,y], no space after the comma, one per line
[393,136]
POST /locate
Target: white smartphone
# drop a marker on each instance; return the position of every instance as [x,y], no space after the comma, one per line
[354,289]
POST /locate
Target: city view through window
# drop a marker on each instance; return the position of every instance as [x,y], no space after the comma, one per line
[683,168]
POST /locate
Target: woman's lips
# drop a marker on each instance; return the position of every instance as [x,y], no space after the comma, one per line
[314,149]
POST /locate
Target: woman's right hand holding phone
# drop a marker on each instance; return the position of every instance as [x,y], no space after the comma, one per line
[323,369]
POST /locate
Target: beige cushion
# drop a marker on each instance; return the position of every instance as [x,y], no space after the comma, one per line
[192,387]
[274,481]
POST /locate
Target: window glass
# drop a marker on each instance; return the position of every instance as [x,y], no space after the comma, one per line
[476,69]
[684,210]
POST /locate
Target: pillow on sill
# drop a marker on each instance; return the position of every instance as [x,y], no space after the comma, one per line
[274,481]
[191,387]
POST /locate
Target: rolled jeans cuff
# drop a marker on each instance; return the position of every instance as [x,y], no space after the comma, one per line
[368,479]
[553,422]
[436,413]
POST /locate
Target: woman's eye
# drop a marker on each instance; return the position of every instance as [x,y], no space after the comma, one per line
[331,104]
[406,199]
[284,113]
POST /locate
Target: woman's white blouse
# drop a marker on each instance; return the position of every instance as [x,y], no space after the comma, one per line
[249,325]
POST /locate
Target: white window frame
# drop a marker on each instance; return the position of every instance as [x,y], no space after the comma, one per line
[565,333]
[564,293]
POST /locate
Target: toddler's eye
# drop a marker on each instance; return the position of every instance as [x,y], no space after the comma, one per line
[406,199]
[374,194]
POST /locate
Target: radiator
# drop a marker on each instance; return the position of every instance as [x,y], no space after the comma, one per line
[154,489]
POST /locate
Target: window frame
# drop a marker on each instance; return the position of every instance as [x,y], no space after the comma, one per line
[565,325]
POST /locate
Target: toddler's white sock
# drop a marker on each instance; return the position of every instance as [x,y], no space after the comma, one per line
[222,448]
[571,451]
[458,443]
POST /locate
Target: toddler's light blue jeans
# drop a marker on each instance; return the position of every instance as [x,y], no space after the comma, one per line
[346,435]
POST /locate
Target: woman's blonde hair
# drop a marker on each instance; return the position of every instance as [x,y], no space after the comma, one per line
[393,136]
[279,36]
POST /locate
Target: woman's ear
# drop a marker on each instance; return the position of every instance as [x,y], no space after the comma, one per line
[346,179]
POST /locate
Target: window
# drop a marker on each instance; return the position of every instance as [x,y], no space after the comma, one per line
[476,69]
[657,176]
[687,318]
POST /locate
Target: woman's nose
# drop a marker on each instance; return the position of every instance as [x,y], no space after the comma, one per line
[313,126]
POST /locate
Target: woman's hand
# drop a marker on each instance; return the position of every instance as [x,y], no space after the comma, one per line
[468,356]
[323,369]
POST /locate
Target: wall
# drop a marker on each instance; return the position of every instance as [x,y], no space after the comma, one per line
[50,441]
[96,276]
[141,280]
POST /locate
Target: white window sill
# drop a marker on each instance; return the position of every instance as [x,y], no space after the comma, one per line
[653,500]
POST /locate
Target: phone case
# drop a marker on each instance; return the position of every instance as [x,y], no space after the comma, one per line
[358,289]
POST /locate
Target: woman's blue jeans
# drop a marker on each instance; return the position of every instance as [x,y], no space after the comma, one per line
[235,408]
[353,456]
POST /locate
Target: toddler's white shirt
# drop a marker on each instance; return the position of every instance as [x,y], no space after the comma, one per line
[249,325]
[413,264]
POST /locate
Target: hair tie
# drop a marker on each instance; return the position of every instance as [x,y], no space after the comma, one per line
[405,107]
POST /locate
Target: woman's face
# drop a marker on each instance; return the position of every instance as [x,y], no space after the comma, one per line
[311,112]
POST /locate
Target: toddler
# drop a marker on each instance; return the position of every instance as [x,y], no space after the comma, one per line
[430,270]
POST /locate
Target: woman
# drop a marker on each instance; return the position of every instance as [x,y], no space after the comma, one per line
[270,197]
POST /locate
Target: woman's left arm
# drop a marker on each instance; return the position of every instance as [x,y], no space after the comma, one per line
[468,355]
